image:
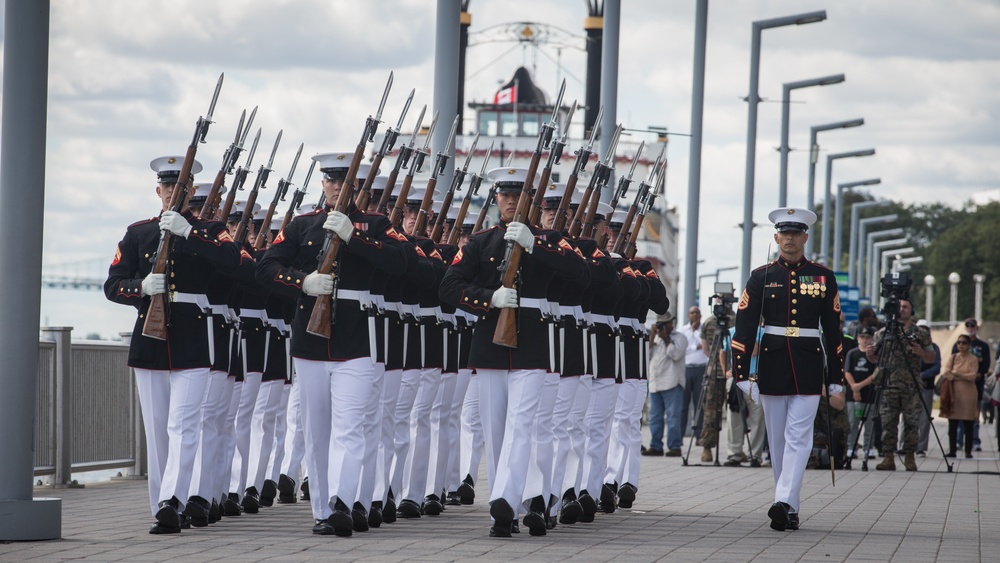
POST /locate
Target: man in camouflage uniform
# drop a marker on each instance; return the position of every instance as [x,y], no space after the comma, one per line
[714,393]
[900,394]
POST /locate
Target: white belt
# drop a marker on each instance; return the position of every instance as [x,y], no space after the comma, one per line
[532,303]
[791,331]
[409,309]
[631,323]
[198,299]
[575,311]
[278,324]
[253,314]
[603,319]
[449,318]
[362,297]
[379,301]
[429,312]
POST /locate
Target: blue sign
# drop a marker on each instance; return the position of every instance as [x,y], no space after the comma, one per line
[850,302]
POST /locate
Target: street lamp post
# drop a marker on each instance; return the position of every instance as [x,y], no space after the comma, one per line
[979,279]
[928,297]
[726,269]
[858,228]
[701,277]
[838,217]
[953,279]
[824,252]
[875,255]
[865,252]
[752,100]
[904,264]
[785,113]
[813,158]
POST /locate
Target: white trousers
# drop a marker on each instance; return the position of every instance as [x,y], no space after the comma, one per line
[295,443]
[234,391]
[171,402]
[372,432]
[632,436]
[386,448]
[408,386]
[508,403]
[206,480]
[334,444]
[244,421]
[417,461]
[472,432]
[280,429]
[262,429]
[565,397]
[443,441]
[603,395]
[577,435]
[539,481]
[737,430]
[789,420]
[453,471]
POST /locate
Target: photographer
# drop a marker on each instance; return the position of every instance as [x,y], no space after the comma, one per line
[900,395]
[714,395]
[666,386]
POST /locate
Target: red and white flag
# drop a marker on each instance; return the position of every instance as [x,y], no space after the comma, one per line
[506,96]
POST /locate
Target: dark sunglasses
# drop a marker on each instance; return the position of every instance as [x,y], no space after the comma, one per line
[966,342]
[970,324]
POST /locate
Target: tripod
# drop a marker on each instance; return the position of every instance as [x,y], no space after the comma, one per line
[891,340]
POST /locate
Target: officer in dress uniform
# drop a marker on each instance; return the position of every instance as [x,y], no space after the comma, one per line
[171,375]
[336,374]
[797,304]
[510,379]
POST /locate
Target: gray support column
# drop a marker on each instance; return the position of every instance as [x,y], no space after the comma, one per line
[748,181]
[811,193]
[22,199]
[609,80]
[62,393]
[858,230]
[446,54]
[694,160]
[824,249]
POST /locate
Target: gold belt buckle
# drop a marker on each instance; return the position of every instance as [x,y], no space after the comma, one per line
[792,331]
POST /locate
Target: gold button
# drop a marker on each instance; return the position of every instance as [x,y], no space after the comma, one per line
[194,231]
[298,281]
[310,243]
[772,295]
[147,255]
[466,298]
[793,273]
[172,286]
[739,357]
[793,281]
[301,306]
[765,349]
[794,322]
[199,316]
[794,311]
[818,350]
[794,290]
[475,302]
[491,258]
[141,316]
[794,301]
[280,277]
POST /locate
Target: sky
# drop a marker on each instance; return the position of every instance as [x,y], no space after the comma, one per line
[128,80]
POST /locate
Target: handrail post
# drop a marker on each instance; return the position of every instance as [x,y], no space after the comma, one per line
[62,394]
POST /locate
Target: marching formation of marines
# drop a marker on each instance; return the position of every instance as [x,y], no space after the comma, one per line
[368,353]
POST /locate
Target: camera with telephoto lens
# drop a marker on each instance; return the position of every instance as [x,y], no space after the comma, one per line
[895,288]
[722,303]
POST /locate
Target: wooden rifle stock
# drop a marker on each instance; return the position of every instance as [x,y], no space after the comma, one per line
[420,225]
[439,220]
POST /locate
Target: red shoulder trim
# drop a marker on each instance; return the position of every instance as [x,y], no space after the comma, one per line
[144,221]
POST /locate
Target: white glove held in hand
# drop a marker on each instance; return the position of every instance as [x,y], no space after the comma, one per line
[340,225]
[317,284]
[154,284]
[521,234]
[834,389]
[504,298]
[175,223]
[745,387]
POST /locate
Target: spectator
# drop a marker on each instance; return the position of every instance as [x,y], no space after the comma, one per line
[858,372]
[961,403]
[829,440]
[666,387]
[749,414]
[928,373]
[695,362]
[981,350]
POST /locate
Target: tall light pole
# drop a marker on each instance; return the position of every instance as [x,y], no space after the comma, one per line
[752,100]
[824,252]
[813,158]
[929,297]
[865,252]
[726,269]
[874,257]
[979,279]
[694,156]
[785,112]
[839,214]
[953,279]
[858,229]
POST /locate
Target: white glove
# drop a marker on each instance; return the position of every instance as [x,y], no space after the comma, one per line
[834,389]
[154,284]
[504,298]
[340,225]
[175,223]
[521,234]
[317,284]
[746,388]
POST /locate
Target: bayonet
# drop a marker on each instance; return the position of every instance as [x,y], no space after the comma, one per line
[381,105]
[406,107]
[211,108]
[274,150]
[246,131]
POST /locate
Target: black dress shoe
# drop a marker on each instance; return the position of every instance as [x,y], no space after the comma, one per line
[453,499]
[626,495]
[185,522]
[167,514]
[267,493]
[793,521]
[304,489]
[654,453]
[607,499]
[551,522]
[754,462]
[161,529]
[231,506]
[408,509]
[341,520]
[514,528]
[588,506]
[467,491]
[286,490]
[778,513]
[214,513]
[323,528]
[389,512]
[375,515]
[360,518]
[535,522]
[197,510]
[432,505]
[251,501]
[503,519]
[571,512]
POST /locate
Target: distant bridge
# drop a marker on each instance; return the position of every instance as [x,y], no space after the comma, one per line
[85,275]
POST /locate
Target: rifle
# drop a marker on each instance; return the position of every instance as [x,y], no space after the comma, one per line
[279,195]
[388,141]
[156,316]
[243,229]
[647,204]
[229,159]
[582,157]
[440,162]
[239,178]
[396,217]
[490,198]
[404,156]
[297,196]
[449,196]
[641,201]
[474,183]
[583,219]
[555,155]
[321,319]
[506,330]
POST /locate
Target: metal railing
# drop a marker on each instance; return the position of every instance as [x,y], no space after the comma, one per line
[88,414]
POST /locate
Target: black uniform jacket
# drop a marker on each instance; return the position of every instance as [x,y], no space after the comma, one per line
[793,296]
[572,294]
[374,249]
[473,277]
[606,303]
[193,261]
